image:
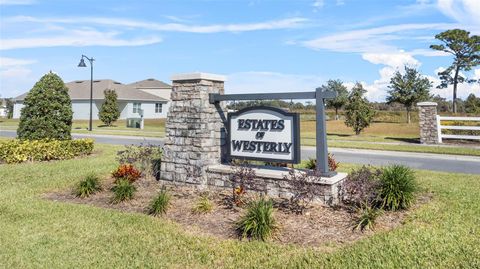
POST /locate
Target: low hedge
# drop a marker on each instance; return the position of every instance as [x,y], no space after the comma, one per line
[17,151]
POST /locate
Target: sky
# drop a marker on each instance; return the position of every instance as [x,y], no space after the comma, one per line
[260,46]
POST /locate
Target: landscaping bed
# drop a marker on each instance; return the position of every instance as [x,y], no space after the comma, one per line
[319,225]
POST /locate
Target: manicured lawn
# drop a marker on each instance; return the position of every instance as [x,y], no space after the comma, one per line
[339,135]
[152,127]
[41,233]
[406,148]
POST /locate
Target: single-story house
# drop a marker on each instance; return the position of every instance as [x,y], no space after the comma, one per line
[3,108]
[151,95]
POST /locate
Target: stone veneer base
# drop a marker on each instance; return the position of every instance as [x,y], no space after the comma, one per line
[272,182]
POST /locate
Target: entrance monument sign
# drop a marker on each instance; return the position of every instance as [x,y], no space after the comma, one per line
[264,134]
[201,136]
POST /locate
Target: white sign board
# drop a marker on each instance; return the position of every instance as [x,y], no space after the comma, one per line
[265,134]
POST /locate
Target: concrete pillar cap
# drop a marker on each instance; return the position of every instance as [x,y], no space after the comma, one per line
[198,76]
[427,104]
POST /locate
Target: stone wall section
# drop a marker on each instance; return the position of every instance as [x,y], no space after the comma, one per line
[272,183]
[193,129]
[428,122]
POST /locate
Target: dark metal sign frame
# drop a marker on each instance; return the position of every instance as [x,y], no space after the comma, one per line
[295,129]
[319,95]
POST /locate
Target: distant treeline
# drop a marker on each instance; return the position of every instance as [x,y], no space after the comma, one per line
[463,106]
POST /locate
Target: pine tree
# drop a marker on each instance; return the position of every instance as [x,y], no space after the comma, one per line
[465,50]
[358,112]
[109,112]
[47,111]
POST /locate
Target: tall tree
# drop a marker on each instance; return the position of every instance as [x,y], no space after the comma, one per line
[466,54]
[342,95]
[47,111]
[472,104]
[109,112]
[358,111]
[9,104]
[408,89]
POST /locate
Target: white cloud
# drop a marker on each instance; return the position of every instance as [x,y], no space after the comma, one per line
[9,62]
[266,82]
[76,38]
[371,39]
[395,60]
[467,12]
[169,27]
[463,89]
[16,2]
[318,4]
[14,72]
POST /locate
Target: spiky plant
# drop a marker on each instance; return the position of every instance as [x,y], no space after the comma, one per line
[367,217]
[258,222]
[160,204]
[88,186]
[397,187]
[204,205]
[123,190]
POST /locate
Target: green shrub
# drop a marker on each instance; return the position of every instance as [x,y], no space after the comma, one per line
[123,190]
[126,171]
[144,157]
[397,187]
[332,163]
[361,187]
[160,204]
[88,186]
[258,222]
[203,205]
[109,111]
[47,111]
[17,151]
[367,217]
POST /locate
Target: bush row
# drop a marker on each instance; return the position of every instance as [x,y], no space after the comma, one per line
[17,151]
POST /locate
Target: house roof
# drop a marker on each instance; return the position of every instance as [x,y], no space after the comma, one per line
[150,83]
[80,90]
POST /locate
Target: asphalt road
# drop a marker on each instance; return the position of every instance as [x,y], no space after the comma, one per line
[436,162]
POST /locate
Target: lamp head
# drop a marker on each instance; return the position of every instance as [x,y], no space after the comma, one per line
[82,63]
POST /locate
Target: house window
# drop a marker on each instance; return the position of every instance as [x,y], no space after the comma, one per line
[158,108]
[137,107]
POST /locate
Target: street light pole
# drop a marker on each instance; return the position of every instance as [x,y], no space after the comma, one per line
[82,64]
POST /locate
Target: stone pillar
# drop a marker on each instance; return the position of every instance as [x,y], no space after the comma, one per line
[193,129]
[427,112]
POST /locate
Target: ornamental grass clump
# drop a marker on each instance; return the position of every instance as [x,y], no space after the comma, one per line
[123,190]
[88,186]
[145,157]
[204,205]
[258,222]
[366,218]
[397,187]
[160,204]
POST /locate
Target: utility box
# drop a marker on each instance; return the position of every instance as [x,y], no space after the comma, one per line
[134,123]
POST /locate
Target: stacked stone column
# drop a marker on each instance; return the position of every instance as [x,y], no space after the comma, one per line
[428,122]
[193,129]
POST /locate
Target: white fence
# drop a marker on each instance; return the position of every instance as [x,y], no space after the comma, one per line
[453,127]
